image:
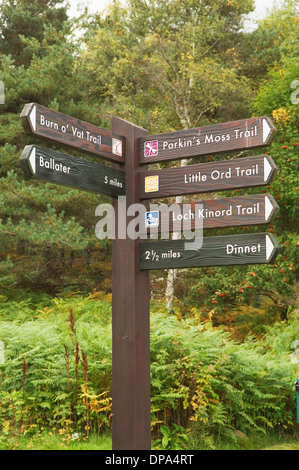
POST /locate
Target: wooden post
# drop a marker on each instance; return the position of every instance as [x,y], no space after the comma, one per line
[131,419]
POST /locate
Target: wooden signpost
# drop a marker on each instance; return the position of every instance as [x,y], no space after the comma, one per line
[131,413]
[255,248]
[131,259]
[207,177]
[218,138]
[60,168]
[237,211]
[54,126]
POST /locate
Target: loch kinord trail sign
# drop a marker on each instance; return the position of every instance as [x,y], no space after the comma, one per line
[257,209]
[129,147]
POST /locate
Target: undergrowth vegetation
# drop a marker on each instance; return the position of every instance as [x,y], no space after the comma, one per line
[206,387]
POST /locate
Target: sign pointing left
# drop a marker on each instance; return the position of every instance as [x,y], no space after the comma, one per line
[32,157]
[58,127]
[56,167]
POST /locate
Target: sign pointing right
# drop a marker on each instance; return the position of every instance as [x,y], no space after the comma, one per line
[229,250]
[270,247]
[239,135]
[237,211]
[207,177]
[266,130]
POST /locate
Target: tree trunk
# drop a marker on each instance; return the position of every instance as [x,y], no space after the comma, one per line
[172,273]
[169,293]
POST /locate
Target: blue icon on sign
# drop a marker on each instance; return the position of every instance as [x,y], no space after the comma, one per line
[152,219]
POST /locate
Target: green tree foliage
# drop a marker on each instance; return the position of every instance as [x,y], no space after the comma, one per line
[169,64]
[25,24]
[277,98]
[274,288]
[265,46]
[45,229]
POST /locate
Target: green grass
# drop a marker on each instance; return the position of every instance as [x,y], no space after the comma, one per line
[289,445]
[293,446]
[51,441]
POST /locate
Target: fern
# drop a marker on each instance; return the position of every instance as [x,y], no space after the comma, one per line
[200,378]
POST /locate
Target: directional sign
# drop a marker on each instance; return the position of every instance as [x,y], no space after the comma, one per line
[54,126]
[207,177]
[238,135]
[213,213]
[46,164]
[255,248]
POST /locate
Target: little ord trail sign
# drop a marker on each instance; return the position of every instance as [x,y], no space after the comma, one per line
[129,147]
[207,177]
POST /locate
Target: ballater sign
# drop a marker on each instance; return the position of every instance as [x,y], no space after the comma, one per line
[60,168]
[66,130]
[238,135]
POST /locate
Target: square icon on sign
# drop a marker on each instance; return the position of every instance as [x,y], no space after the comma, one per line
[151,184]
[117,147]
[151,148]
[152,219]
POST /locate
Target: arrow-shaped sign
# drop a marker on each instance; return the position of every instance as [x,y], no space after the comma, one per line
[72,132]
[255,248]
[269,207]
[239,211]
[32,117]
[266,130]
[208,140]
[207,177]
[60,168]
[32,159]
[268,169]
[270,247]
